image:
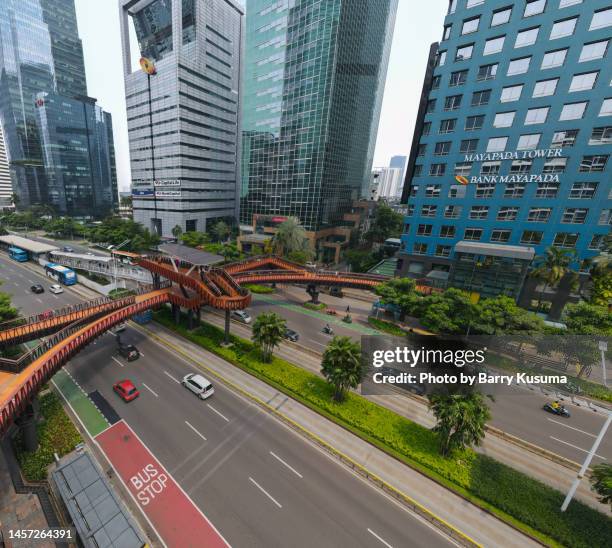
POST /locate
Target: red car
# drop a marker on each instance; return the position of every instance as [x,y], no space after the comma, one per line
[126,390]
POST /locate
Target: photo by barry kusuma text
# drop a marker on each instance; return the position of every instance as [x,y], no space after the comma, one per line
[426,364]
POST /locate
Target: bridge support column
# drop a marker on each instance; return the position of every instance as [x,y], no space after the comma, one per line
[190,319]
[176,313]
[226,339]
[314,294]
[156,281]
[27,424]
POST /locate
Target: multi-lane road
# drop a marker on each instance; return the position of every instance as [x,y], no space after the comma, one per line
[257,481]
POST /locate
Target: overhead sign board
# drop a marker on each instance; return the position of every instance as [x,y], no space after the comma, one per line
[168,193]
[167,182]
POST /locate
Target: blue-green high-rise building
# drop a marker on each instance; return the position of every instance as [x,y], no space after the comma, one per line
[313,83]
[511,152]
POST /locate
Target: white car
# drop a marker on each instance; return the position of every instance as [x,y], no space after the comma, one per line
[56,288]
[199,385]
[241,316]
[119,328]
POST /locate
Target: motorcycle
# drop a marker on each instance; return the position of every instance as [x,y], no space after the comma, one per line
[328,330]
[560,410]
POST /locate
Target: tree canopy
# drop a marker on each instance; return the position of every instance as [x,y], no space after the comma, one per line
[387,223]
[290,236]
[268,331]
[588,319]
[341,365]
[401,293]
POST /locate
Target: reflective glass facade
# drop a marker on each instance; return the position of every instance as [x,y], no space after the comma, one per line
[314,76]
[514,142]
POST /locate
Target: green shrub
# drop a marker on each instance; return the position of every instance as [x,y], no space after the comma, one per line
[312,306]
[56,434]
[119,293]
[510,494]
[259,289]
[386,327]
[97,278]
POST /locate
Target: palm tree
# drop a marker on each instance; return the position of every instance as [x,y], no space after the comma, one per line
[461,419]
[601,482]
[341,365]
[177,231]
[552,267]
[221,231]
[268,331]
[290,236]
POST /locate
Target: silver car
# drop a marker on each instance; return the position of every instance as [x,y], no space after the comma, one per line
[199,385]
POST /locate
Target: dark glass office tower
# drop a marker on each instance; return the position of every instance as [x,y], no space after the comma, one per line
[314,77]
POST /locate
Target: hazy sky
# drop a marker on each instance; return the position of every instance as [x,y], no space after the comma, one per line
[415,30]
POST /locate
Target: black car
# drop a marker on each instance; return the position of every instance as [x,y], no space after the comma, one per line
[68,249]
[129,352]
[37,288]
[291,335]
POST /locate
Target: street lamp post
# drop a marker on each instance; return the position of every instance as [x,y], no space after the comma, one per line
[603,347]
[125,242]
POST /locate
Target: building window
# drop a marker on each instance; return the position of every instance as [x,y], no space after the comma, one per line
[597,242]
[528,142]
[429,210]
[501,17]
[563,28]
[594,50]
[501,236]
[536,116]
[490,168]
[447,32]
[473,123]
[566,3]
[437,170]
[605,217]
[447,231]
[443,250]
[601,19]
[534,7]
[531,237]
[601,136]
[485,190]
[410,211]
[458,78]
[433,191]
[593,164]
[520,167]
[518,66]
[414,190]
[583,191]
[487,72]
[547,190]
[472,3]
[503,119]
[448,126]
[497,144]
[470,25]
[457,191]
[583,82]
[573,111]
[463,168]
[544,88]
[507,213]
[452,7]
[424,230]
[452,212]
[473,234]
[431,106]
[464,52]
[565,239]
[554,165]
[494,45]
[480,98]
[564,139]
[479,212]
[452,102]
[419,249]
[606,108]
[418,170]
[440,59]
[514,190]
[526,37]
[468,146]
[554,59]
[421,150]
[435,82]
[426,128]
[574,215]
[539,214]
[442,149]
[511,93]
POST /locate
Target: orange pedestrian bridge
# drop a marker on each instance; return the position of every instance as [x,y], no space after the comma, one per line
[177,282]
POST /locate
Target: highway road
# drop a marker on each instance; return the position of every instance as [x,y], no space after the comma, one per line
[257,481]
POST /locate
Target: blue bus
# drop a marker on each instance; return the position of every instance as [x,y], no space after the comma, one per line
[60,273]
[18,254]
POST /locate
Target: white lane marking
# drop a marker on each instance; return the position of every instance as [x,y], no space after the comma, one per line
[576,447]
[573,428]
[379,538]
[152,392]
[287,465]
[265,492]
[54,296]
[141,353]
[218,413]
[38,300]
[175,380]
[316,342]
[194,429]
[117,361]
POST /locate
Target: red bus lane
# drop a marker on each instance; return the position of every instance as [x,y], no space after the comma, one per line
[177,520]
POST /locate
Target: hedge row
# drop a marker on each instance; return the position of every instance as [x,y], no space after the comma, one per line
[313,306]
[56,434]
[512,495]
[259,289]
[386,327]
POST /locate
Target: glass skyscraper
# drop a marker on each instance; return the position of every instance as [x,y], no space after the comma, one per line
[511,152]
[6,190]
[314,77]
[40,52]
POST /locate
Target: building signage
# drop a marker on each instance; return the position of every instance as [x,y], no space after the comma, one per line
[516,155]
[167,182]
[168,193]
[142,192]
[147,66]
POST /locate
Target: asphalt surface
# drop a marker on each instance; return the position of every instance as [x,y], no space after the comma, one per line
[257,481]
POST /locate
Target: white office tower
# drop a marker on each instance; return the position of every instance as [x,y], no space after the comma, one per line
[390,183]
[6,189]
[183,109]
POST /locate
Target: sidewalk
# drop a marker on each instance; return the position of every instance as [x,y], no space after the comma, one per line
[537,466]
[477,524]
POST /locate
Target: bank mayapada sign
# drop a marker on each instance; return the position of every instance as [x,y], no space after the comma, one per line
[547,153]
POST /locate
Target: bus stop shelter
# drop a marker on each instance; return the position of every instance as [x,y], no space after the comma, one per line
[34,248]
